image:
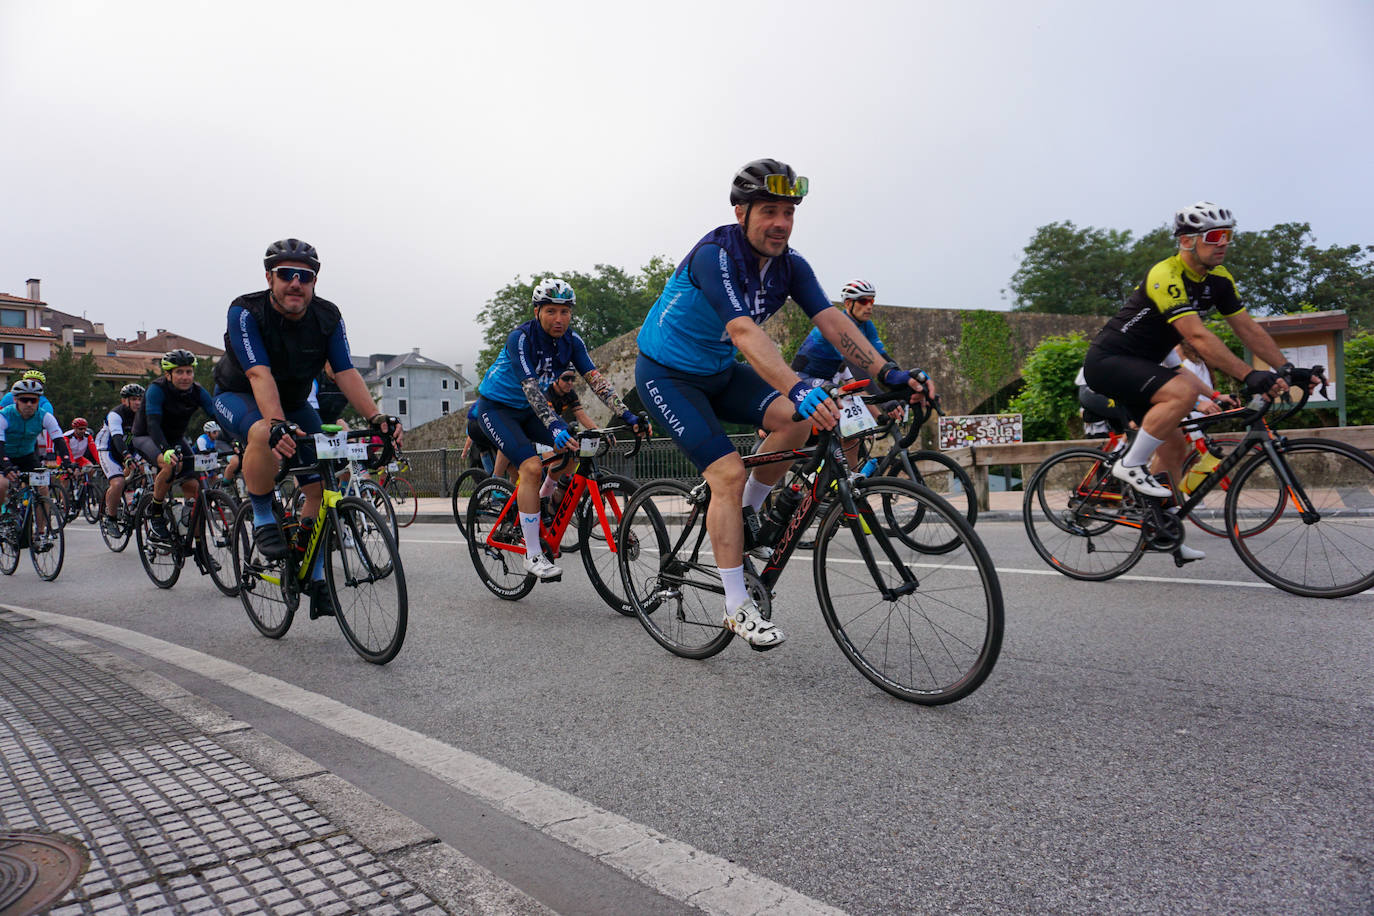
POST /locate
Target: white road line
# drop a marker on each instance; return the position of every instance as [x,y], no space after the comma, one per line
[671,867]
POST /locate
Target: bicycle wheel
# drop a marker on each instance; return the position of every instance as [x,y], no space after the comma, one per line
[1079,517]
[491,535]
[363,570]
[9,542]
[161,559]
[936,639]
[463,488]
[668,570]
[371,492]
[266,587]
[1327,552]
[217,551]
[124,522]
[1210,514]
[62,509]
[597,555]
[402,494]
[942,475]
[48,548]
[91,499]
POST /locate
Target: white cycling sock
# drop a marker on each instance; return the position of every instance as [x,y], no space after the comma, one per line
[735,592]
[529,526]
[755,493]
[1141,450]
[550,484]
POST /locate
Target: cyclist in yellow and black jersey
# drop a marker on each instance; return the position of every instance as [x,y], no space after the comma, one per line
[1167,308]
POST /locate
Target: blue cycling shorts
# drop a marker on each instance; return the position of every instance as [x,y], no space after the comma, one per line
[513,430]
[237,412]
[691,407]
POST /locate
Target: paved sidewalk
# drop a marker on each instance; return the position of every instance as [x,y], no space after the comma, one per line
[182,809]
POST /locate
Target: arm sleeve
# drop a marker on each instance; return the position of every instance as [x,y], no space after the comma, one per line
[806,289]
[719,281]
[245,338]
[337,349]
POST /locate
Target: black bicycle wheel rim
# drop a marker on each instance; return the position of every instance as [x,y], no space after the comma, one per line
[1070,511]
[363,571]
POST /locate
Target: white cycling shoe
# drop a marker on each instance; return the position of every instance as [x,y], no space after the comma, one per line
[1189,554]
[1139,478]
[542,568]
[748,624]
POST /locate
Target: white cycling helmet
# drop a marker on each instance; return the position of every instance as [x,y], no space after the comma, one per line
[211,427]
[553,291]
[858,289]
[27,386]
[1202,216]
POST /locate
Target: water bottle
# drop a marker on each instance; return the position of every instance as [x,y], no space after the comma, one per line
[780,513]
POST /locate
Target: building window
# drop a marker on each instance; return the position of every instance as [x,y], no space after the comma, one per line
[16,351]
[443,405]
[388,381]
[401,407]
[11,318]
[444,384]
[402,381]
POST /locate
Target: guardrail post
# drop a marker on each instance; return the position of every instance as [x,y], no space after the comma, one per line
[443,472]
[980,479]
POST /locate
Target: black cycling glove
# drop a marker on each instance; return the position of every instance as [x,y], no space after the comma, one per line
[1259,381]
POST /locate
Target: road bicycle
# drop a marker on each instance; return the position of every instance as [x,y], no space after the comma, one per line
[904,584]
[199,529]
[32,521]
[358,484]
[497,546]
[136,480]
[79,491]
[1299,512]
[400,494]
[362,567]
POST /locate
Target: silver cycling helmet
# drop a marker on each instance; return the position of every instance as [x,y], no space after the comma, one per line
[858,289]
[553,291]
[1202,216]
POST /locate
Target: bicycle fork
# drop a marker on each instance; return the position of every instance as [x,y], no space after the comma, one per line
[864,523]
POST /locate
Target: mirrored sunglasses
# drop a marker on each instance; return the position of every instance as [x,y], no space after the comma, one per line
[779,185]
[287,274]
[1218,236]
[26,400]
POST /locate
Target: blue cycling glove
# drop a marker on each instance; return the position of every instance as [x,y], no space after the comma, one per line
[561,436]
[630,418]
[807,398]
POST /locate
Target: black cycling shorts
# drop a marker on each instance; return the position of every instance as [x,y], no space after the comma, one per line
[1131,381]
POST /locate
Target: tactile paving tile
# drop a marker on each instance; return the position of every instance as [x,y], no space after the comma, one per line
[174,822]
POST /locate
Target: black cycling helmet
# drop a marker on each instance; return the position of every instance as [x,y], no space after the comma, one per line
[291,250]
[131,390]
[178,357]
[751,183]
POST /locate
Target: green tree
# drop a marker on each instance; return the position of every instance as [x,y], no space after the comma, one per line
[1048,403]
[1359,379]
[1073,271]
[73,388]
[610,302]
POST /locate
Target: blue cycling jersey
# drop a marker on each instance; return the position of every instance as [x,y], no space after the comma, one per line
[44,405]
[19,437]
[530,352]
[718,281]
[818,358]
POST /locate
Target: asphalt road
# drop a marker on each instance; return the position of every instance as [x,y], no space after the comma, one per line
[1175,741]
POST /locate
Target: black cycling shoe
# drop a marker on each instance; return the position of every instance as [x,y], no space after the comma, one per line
[321,601]
[269,542]
[158,525]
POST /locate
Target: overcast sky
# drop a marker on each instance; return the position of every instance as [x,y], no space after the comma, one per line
[432,152]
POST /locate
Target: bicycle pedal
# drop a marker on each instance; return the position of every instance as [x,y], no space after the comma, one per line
[557,578]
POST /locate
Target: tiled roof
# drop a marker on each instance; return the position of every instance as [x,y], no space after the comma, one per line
[161,343]
[6,297]
[28,332]
[53,318]
[133,366]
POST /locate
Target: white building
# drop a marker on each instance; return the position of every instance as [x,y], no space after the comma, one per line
[415,388]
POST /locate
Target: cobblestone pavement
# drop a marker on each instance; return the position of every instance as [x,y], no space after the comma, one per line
[173,820]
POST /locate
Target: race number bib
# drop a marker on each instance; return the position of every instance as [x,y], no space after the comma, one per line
[206,462]
[335,446]
[38,478]
[393,467]
[587,447]
[357,451]
[854,416]
[542,449]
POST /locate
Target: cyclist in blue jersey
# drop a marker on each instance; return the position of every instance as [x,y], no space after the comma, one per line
[22,422]
[44,405]
[277,342]
[731,281]
[514,412]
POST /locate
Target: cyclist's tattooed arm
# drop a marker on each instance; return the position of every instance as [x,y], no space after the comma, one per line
[542,408]
[603,390]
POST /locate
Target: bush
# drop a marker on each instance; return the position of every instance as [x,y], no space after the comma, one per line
[1048,403]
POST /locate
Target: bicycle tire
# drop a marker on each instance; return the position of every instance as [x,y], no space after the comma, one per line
[676,597]
[162,562]
[61,504]
[46,552]
[1330,555]
[92,499]
[217,551]
[951,484]
[1071,511]
[603,568]
[124,522]
[950,623]
[367,576]
[263,585]
[501,571]
[9,544]
[371,492]
[406,507]
[463,488]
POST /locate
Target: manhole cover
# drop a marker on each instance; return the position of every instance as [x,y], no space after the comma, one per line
[36,869]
